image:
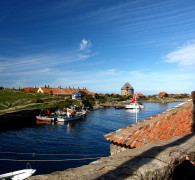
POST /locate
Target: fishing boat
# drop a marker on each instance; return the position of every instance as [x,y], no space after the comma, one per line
[18,175]
[70,117]
[133,104]
[45,118]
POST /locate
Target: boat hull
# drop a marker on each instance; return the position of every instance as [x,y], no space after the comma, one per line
[18,175]
[64,119]
[45,118]
[134,106]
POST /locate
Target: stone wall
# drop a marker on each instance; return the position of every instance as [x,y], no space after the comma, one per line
[127,92]
[116,148]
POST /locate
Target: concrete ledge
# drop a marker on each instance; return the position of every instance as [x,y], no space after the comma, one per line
[153,161]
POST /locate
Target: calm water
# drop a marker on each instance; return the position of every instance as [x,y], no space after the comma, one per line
[67,145]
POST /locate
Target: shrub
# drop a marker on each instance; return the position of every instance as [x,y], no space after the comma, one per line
[38,101]
[65,104]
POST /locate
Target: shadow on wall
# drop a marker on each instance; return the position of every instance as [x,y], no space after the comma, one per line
[182,171]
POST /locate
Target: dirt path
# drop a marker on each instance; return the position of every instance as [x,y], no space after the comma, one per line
[19,107]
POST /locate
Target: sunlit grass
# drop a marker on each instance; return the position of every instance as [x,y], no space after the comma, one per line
[14,98]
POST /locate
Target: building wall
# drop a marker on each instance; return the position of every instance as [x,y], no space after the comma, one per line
[127,92]
[40,90]
[115,148]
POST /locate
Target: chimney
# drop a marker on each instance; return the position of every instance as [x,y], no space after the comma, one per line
[193,110]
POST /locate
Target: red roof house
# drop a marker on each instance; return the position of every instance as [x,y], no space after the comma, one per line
[140,95]
[61,91]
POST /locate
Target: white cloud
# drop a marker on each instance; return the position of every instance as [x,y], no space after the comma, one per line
[85,45]
[184,56]
[105,80]
[111,80]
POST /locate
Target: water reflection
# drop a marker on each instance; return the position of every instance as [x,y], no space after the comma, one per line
[70,127]
[162,105]
[60,123]
[132,110]
[43,122]
[16,125]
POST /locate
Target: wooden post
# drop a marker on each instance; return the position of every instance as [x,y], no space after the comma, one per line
[193,111]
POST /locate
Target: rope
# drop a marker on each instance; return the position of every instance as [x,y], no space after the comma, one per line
[53,154]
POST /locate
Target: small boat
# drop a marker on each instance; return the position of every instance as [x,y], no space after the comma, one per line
[133,104]
[45,118]
[18,175]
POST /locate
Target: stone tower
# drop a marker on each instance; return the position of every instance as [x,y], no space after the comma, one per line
[127,90]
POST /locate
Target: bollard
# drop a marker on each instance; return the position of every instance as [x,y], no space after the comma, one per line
[193,111]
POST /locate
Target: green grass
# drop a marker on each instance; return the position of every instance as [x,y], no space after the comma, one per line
[12,98]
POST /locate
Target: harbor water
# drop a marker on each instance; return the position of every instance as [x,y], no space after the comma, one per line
[50,147]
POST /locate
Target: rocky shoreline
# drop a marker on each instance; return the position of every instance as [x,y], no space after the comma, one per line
[122,103]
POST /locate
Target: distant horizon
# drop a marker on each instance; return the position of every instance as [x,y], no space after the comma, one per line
[99,44]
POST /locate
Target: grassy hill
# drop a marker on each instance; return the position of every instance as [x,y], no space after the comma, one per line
[18,99]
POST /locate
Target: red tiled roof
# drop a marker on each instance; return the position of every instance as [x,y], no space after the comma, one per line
[30,89]
[140,95]
[162,94]
[47,90]
[93,94]
[174,122]
[63,91]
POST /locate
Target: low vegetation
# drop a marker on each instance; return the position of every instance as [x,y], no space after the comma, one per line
[11,99]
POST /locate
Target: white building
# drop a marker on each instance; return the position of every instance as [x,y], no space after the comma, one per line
[76,95]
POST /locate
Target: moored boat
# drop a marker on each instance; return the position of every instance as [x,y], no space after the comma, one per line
[70,118]
[133,104]
[18,175]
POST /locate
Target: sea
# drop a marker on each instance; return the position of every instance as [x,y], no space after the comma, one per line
[50,147]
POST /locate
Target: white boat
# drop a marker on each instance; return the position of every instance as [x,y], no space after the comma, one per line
[133,104]
[69,118]
[18,175]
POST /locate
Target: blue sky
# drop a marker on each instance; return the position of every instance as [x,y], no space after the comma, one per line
[99,45]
